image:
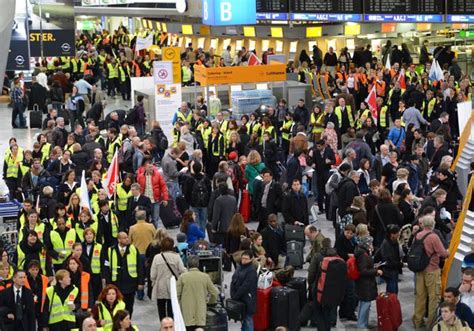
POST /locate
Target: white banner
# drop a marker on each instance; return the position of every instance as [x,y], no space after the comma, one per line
[144,43]
[163,72]
[168,99]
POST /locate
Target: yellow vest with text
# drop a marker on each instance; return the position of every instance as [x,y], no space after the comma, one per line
[131,262]
[63,246]
[58,311]
[104,314]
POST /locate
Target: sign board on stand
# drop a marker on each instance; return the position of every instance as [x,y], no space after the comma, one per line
[173,54]
[163,72]
[168,99]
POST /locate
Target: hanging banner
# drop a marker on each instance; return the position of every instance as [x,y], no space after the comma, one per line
[53,22]
[163,72]
[173,54]
[18,57]
[168,99]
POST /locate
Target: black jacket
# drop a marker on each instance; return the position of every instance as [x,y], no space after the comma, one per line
[344,247]
[274,197]
[8,306]
[244,286]
[80,159]
[37,96]
[273,240]
[454,195]
[346,191]
[124,282]
[366,286]
[322,168]
[390,215]
[143,203]
[295,208]
[389,252]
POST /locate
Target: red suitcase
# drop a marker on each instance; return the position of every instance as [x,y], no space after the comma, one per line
[245,205]
[261,318]
[389,312]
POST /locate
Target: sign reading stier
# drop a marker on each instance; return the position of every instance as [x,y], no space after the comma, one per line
[239,75]
[56,28]
[229,12]
[173,54]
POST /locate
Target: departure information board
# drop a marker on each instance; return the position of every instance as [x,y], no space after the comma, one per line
[272,6]
[409,7]
[326,6]
[462,7]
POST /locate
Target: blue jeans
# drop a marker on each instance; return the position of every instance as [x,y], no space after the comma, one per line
[363,317]
[201,213]
[247,323]
[392,284]
[155,214]
[173,189]
[141,261]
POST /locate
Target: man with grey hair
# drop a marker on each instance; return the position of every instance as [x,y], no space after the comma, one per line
[428,281]
[137,202]
[193,288]
[350,156]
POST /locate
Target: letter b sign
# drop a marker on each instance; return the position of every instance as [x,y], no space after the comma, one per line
[229,12]
[226,11]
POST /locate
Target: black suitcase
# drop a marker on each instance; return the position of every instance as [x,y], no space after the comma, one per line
[64,113]
[294,254]
[181,204]
[216,318]
[170,216]
[236,310]
[285,307]
[294,232]
[299,284]
[212,265]
[36,117]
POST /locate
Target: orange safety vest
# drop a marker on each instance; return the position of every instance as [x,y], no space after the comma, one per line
[341,76]
[380,88]
[85,278]
[7,284]
[138,72]
[393,73]
[45,281]
[87,71]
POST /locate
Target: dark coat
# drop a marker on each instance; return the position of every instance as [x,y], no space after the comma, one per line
[124,282]
[274,197]
[273,240]
[454,195]
[390,215]
[322,168]
[143,202]
[244,286]
[224,209]
[346,191]
[7,304]
[80,159]
[389,252]
[344,247]
[37,96]
[366,286]
[293,170]
[295,208]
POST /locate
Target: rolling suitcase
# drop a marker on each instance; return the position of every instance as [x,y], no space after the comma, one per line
[181,204]
[284,307]
[294,232]
[169,215]
[216,318]
[299,284]
[64,113]
[36,117]
[261,318]
[389,312]
[244,208]
[294,254]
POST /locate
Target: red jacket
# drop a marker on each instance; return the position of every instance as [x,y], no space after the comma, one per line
[160,190]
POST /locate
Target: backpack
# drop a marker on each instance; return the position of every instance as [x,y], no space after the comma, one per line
[345,220]
[200,195]
[331,280]
[131,117]
[162,142]
[332,182]
[417,259]
[352,269]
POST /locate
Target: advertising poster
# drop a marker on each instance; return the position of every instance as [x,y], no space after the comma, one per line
[168,99]
[173,54]
[18,57]
[163,72]
[53,21]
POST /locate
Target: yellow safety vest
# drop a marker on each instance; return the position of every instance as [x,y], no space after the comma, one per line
[112,147]
[253,128]
[224,126]
[74,65]
[21,259]
[131,262]
[80,231]
[271,131]
[45,151]
[383,117]
[184,118]
[114,221]
[59,311]
[123,76]
[102,59]
[95,262]
[66,62]
[13,165]
[365,114]
[112,71]
[122,197]
[338,113]
[104,314]
[389,98]
[287,129]
[431,105]
[317,123]
[206,133]
[216,148]
[187,74]
[61,246]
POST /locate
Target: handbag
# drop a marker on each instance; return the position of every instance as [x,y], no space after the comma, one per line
[265,279]
[236,309]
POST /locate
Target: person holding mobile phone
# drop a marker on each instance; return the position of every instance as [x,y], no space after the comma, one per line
[389,259]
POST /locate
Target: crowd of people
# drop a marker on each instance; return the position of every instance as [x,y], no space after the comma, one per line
[382,174]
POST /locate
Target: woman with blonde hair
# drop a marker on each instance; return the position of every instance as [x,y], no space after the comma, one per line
[74,208]
[234,144]
[253,169]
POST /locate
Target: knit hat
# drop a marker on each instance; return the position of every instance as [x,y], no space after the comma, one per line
[233,155]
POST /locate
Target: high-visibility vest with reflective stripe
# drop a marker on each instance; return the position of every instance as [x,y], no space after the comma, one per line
[45,151]
[122,197]
[431,106]
[317,121]
[80,231]
[112,71]
[338,113]
[206,133]
[184,118]
[187,74]
[66,62]
[44,281]
[365,114]
[13,165]
[287,128]
[123,76]
[114,221]
[216,147]
[131,262]
[271,132]
[383,117]
[102,59]
[59,311]
[223,126]
[74,65]
[104,314]
[61,246]
[95,262]
[112,146]
[85,278]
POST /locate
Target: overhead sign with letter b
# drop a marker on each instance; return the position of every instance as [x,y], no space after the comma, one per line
[229,12]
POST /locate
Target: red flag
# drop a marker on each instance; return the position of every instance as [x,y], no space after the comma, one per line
[253,60]
[372,102]
[401,79]
[111,179]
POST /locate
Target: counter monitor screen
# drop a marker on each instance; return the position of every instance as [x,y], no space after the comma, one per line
[272,6]
[327,6]
[406,6]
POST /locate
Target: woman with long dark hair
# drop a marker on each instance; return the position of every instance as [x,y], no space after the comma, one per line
[122,322]
[190,228]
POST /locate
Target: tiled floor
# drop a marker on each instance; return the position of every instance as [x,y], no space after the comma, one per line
[145,312]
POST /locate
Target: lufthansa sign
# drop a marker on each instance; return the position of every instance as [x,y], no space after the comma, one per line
[229,12]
